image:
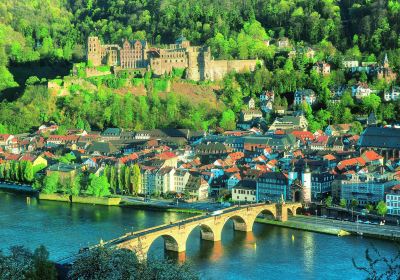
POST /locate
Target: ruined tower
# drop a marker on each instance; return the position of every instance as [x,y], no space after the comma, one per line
[94,51]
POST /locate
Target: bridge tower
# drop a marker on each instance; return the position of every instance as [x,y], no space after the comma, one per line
[306,180]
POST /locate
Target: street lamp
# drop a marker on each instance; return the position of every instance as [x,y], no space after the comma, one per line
[357,223]
[316,215]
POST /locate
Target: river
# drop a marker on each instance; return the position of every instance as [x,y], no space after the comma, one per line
[269,252]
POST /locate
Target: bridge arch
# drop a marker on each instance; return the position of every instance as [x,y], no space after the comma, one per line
[171,243]
[240,222]
[207,232]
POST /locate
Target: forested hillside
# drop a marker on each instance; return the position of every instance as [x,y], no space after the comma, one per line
[37,36]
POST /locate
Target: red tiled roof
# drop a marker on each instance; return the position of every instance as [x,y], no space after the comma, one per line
[4,137]
[371,156]
[396,188]
[329,157]
[236,156]
[303,135]
[351,162]
[166,155]
[27,158]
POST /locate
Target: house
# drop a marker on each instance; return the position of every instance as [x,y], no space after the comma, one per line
[232,180]
[303,136]
[289,123]
[266,101]
[165,180]
[37,161]
[5,139]
[272,186]
[279,110]
[102,148]
[383,140]
[249,102]
[393,94]
[148,180]
[366,188]
[309,53]
[320,143]
[338,129]
[351,164]
[47,129]
[304,95]
[361,90]
[393,200]
[65,171]
[351,64]
[111,133]
[250,114]
[371,157]
[181,177]
[197,188]
[54,140]
[170,159]
[283,43]
[245,191]
[335,143]
[322,68]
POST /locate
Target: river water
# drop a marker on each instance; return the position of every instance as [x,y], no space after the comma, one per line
[269,252]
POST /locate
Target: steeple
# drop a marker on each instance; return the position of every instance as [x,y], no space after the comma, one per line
[386,61]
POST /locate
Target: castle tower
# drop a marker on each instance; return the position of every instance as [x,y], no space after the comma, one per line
[306,180]
[94,51]
[193,72]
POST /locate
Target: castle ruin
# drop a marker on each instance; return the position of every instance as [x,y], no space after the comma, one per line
[137,55]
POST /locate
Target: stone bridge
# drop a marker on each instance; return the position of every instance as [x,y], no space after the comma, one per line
[176,234]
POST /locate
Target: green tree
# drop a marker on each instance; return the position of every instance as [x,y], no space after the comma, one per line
[228,120]
[371,103]
[28,172]
[328,201]
[342,203]
[136,178]
[51,183]
[76,185]
[369,207]
[98,186]
[107,263]
[21,263]
[381,208]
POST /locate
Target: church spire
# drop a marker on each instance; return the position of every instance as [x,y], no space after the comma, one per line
[386,61]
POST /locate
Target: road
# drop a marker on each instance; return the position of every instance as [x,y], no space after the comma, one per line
[169,203]
[386,230]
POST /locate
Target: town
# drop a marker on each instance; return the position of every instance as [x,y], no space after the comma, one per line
[284,161]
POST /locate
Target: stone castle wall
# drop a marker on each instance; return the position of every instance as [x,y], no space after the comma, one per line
[217,69]
[195,59]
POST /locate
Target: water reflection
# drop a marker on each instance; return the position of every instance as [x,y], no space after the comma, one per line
[267,252]
[308,245]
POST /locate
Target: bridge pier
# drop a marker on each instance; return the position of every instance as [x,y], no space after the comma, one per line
[243,226]
[211,236]
[282,212]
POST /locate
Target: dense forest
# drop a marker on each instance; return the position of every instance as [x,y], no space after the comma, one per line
[35,34]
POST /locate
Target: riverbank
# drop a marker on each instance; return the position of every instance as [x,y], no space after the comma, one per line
[107,201]
[303,226]
[18,188]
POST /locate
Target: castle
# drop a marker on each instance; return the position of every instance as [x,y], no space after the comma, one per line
[138,55]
